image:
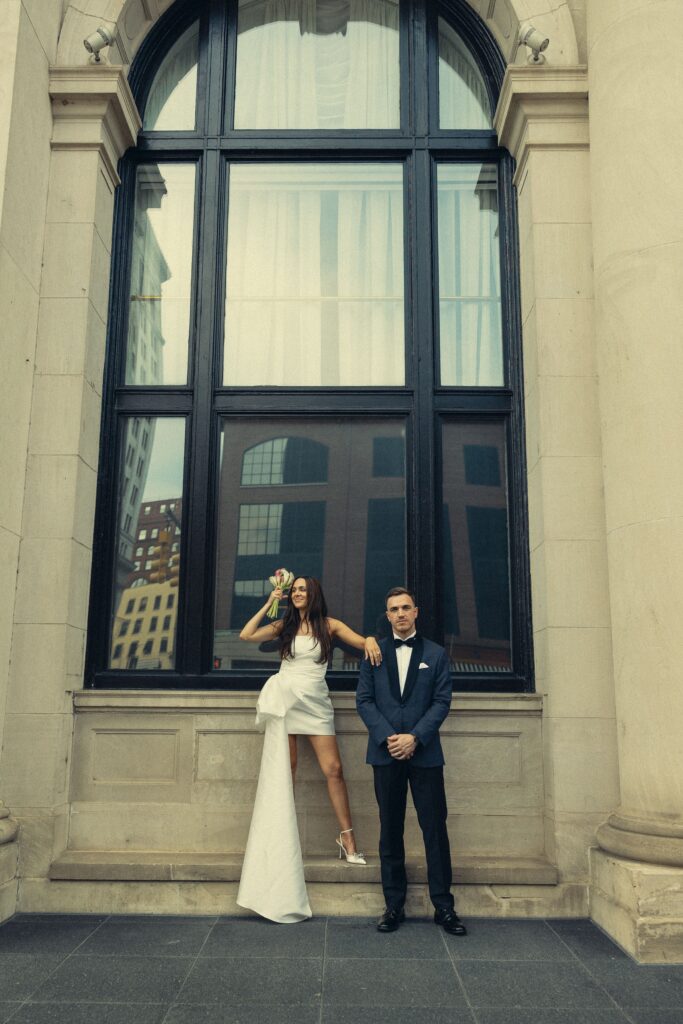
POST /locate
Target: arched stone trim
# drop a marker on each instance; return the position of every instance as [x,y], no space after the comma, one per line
[131,20]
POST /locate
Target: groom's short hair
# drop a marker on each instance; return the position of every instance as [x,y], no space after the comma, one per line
[395,591]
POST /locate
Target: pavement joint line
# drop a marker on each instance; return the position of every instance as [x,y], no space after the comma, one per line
[57,966]
[189,971]
[322,973]
[471,1008]
[590,974]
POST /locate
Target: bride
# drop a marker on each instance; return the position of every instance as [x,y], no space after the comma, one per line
[295,702]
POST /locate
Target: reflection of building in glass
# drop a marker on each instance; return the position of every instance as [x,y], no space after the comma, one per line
[476,598]
[331,505]
[144,629]
[149,270]
[159,522]
[138,443]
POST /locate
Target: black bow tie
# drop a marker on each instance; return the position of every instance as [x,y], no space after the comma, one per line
[410,642]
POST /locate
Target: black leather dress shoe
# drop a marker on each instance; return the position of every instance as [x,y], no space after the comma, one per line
[390,920]
[450,922]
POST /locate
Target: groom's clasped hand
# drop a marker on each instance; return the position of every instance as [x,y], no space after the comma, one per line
[401,745]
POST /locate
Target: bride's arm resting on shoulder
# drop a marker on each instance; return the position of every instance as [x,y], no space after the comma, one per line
[255,634]
[368,644]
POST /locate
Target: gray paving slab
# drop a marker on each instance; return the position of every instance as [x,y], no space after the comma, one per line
[390,983]
[538,984]
[358,937]
[640,985]
[48,934]
[587,941]
[244,1014]
[549,1016]
[89,1013]
[396,1015]
[256,937]
[508,940]
[20,976]
[130,936]
[250,980]
[638,1015]
[115,979]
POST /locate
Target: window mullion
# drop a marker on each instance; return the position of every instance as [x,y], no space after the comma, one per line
[422,535]
[196,577]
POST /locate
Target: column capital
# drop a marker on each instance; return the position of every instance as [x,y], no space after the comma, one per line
[93,108]
[544,108]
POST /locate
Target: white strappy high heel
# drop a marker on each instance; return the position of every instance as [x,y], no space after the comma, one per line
[352,858]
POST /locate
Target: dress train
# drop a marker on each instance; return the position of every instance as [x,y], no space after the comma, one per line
[272,881]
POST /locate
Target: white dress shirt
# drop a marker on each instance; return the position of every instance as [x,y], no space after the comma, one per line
[403,655]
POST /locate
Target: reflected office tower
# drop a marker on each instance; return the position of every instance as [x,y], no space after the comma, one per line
[149,271]
[137,448]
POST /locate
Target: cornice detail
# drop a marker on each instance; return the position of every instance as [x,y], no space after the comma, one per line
[93,108]
[542,108]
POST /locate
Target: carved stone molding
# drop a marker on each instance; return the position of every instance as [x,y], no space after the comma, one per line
[642,839]
[545,107]
[93,109]
[9,828]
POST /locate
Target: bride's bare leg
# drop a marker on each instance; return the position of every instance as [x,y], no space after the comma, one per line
[292,756]
[327,752]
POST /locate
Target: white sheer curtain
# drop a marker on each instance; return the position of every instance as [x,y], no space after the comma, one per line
[173,96]
[317,64]
[315,275]
[469,276]
[463,99]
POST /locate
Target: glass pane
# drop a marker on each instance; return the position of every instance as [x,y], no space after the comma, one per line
[172,98]
[148,549]
[321,497]
[161,275]
[463,99]
[317,64]
[476,565]
[469,276]
[315,275]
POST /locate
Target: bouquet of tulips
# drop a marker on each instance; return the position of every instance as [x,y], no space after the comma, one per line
[283,579]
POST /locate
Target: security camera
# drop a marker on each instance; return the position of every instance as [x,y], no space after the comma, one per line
[534,40]
[100,38]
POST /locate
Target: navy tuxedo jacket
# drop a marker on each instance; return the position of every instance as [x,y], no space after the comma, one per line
[424,704]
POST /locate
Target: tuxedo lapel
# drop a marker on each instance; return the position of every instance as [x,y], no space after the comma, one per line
[392,669]
[415,659]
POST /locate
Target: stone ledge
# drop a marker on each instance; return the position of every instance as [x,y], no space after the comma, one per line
[110,866]
[210,701]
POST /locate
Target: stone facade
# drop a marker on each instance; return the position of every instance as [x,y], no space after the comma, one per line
[128,802]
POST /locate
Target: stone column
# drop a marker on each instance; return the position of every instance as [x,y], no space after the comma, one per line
[636,102]
[93,121]
[542,119]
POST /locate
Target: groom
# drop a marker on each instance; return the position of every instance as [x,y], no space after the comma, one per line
[403,702]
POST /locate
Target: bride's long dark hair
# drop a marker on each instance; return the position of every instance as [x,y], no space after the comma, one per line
[315,615]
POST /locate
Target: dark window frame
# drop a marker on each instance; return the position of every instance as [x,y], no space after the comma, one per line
[419,145]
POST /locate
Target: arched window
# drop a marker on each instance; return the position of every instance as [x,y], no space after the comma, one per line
[314,342]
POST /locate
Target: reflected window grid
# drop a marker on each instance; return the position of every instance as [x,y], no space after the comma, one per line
[259,529]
